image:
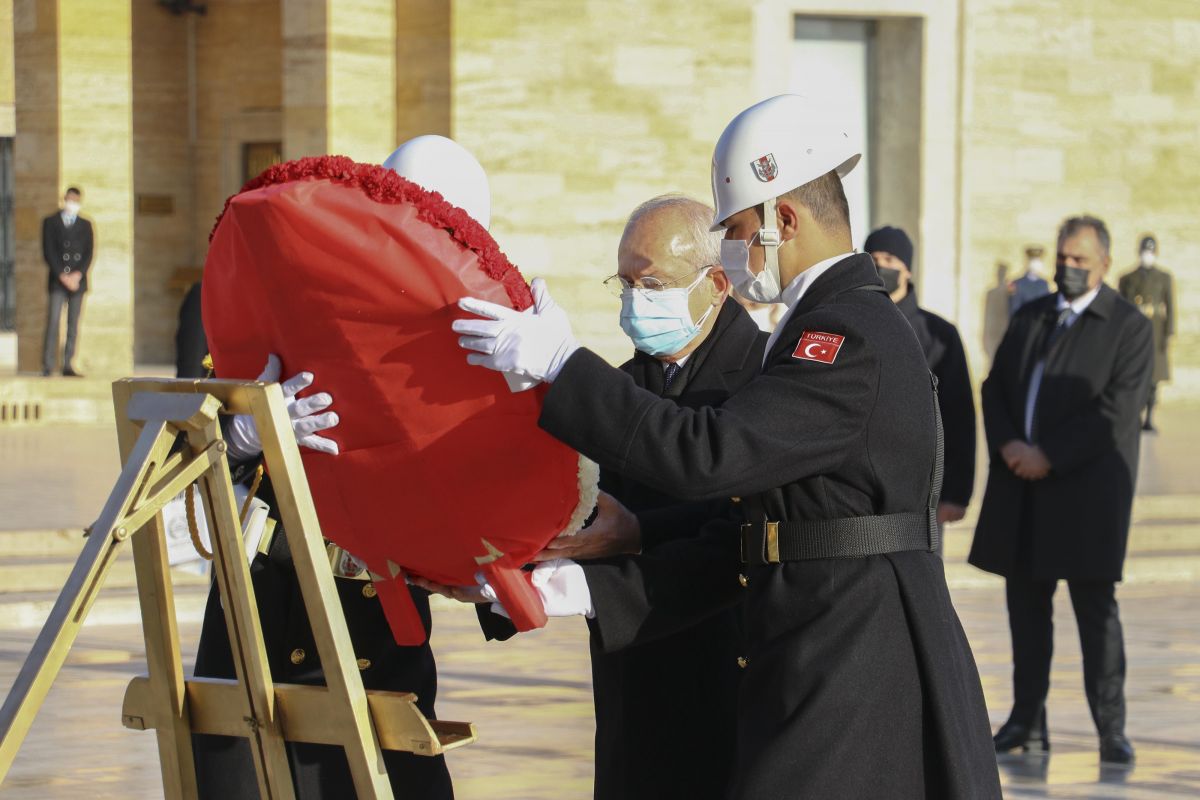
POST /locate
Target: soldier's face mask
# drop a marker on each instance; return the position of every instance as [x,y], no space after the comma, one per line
[1147,258]
[659,322]
[72,207]
[761,288]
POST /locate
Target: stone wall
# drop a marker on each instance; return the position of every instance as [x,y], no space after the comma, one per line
[7,87]
[1074,107]
[580,117]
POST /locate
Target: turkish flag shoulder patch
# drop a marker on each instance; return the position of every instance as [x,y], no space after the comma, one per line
[818,346]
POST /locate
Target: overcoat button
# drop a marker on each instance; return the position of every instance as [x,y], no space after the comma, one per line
[364,663]
[743,580]
[735,499]
[369,590]
[298,656]
[742,662]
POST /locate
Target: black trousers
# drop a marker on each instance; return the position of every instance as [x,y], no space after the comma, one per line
[74,300]
[1030,618]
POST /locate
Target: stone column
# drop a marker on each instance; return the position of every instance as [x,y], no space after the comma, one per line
[339,78]
[74,101]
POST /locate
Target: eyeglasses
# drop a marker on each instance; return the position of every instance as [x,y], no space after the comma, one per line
[617,285]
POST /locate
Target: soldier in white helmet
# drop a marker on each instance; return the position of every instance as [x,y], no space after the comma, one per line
[859,682]
[224,768]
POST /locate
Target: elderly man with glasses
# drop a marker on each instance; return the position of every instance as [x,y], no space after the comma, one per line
[665,709]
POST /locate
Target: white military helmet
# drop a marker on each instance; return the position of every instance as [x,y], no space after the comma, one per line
[774,147]
[442,165]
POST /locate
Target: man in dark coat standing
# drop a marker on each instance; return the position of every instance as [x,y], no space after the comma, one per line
[67,244]
[666,709]
[1149,287]
[858,682]
[1061,409]
[893,253]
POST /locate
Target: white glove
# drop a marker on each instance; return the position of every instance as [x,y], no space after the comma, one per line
[560,584]
[534,343]
[242,434]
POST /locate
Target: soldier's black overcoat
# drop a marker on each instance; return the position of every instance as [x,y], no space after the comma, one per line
[67,249]
[224,769]
[859,682]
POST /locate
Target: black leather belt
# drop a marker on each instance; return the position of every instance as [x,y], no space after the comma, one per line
[853,537]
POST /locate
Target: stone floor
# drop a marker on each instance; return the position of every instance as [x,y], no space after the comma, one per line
[531,697]
[531,701]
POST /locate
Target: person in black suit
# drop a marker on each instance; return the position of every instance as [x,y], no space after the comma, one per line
[191,345]
[67,243]
[1061,408]
[893,253]
[654,739]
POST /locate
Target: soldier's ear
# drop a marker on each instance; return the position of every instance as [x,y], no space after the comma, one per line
[790,216]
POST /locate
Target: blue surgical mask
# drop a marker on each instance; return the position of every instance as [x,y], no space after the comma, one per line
[660,322]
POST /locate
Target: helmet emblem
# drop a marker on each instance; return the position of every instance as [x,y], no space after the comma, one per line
[766,169]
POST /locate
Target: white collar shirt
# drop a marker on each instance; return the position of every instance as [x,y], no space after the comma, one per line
[795,290]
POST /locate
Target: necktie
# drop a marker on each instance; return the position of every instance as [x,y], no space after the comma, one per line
[1060,327]
[669,375]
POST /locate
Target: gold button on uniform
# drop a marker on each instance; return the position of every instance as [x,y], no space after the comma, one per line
[298,656]
[742,662]
[736,499]
[743,580]
[364,663]
[369,590]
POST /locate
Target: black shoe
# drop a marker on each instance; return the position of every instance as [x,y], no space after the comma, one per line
[1116,749]
[1148,428]
[45,373]
[70,373]
[1033,738]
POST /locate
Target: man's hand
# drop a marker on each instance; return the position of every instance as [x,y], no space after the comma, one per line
[950,512]
[1027,461]
[243,437]
[463,594]
[560,585]
[71,280]
[614,531]
[534,343]
[1035,465]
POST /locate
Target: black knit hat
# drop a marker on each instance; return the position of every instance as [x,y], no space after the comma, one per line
[891,240]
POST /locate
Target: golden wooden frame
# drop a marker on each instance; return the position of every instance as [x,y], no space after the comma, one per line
[151,416]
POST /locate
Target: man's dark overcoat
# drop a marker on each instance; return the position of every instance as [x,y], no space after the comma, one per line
[67,249]
[224,768]
[947,360]
[653,738]
[858,681]
[1095,383]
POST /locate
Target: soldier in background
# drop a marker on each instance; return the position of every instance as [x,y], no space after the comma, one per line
[1031,285]
[67,244]
[995,311]
[1150,289]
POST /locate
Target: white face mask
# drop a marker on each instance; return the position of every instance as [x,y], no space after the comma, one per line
[761,288]
[1148,258]
[72,207]
[1036,267]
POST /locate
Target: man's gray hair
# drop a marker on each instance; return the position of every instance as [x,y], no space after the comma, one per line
[699,218]
[1074,225]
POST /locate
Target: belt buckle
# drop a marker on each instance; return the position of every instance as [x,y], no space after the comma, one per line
[771,542]
[762,539]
